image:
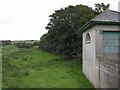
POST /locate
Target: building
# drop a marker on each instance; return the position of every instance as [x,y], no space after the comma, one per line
[101,50]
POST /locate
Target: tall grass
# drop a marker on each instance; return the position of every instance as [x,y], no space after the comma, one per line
[30,68]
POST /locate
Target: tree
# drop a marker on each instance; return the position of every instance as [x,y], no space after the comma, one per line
[63,36]
[6,42]
[101,7]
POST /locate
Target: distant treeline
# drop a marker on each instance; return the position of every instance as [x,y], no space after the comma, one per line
[21,44]
[26,44]
[6,42]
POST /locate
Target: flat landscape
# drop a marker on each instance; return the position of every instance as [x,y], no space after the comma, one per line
[34,68]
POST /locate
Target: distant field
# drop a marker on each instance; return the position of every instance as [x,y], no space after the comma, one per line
[30,68]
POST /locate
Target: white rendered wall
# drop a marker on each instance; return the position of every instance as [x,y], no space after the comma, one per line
[89,56]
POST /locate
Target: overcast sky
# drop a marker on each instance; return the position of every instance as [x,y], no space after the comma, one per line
[27,19]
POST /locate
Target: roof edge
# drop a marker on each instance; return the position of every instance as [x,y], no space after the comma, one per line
[93,23]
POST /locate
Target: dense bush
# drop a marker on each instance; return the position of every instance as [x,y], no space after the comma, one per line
[24,45]
[36,43]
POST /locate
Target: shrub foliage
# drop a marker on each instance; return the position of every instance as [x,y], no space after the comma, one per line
[63,35]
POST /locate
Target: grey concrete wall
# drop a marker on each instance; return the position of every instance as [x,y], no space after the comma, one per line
[107,64]
[108,72]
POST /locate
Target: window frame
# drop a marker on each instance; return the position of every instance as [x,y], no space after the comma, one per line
[87,38]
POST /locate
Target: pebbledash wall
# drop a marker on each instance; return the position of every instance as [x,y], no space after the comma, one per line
[101,69]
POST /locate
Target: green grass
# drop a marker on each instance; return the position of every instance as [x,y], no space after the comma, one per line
[30,68]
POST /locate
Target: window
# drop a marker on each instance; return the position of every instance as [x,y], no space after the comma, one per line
[88,39]
[111,41]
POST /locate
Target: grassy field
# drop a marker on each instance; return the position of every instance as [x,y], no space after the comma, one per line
[30,68]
